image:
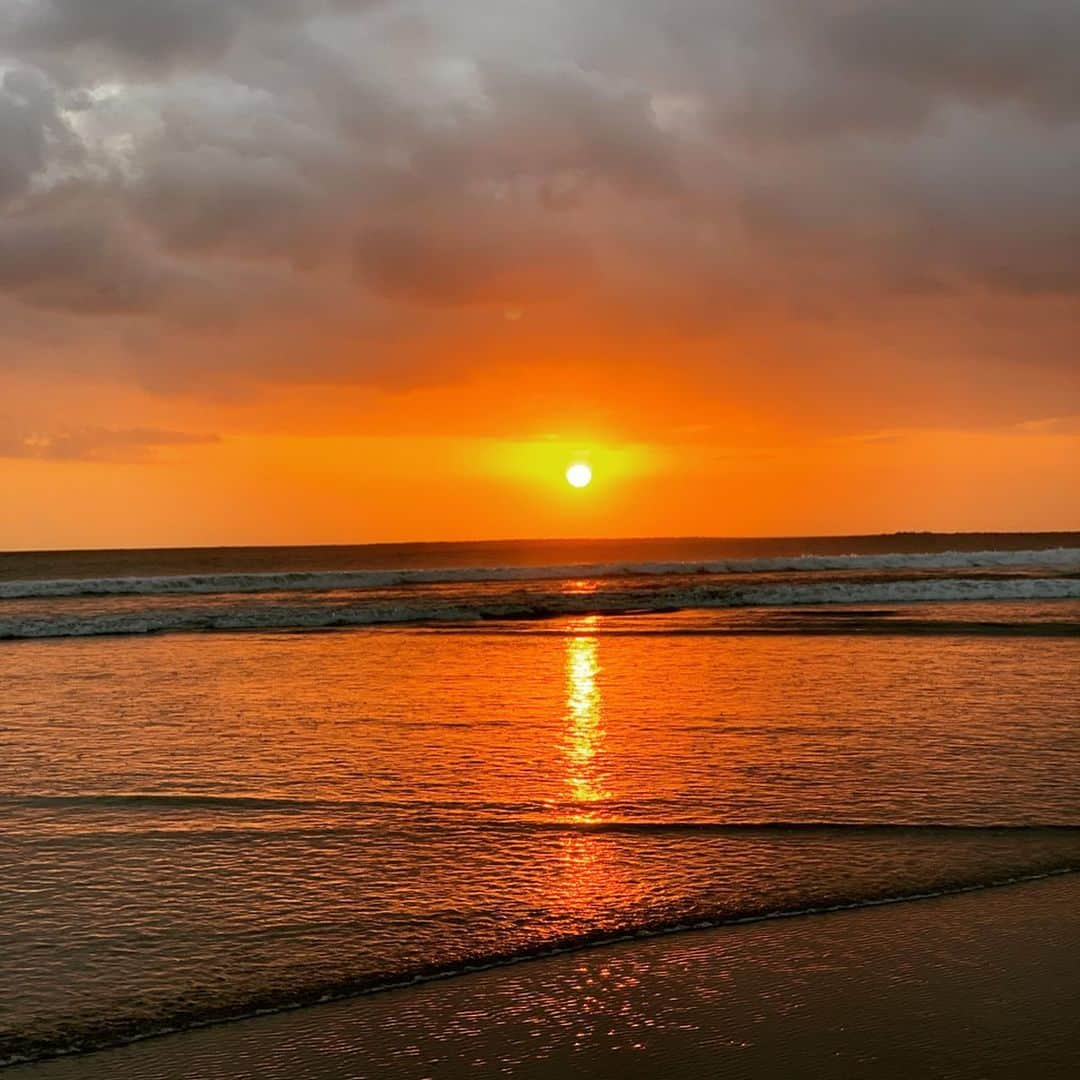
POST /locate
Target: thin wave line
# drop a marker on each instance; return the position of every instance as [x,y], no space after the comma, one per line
[862,627]
[153,800]
[105,837]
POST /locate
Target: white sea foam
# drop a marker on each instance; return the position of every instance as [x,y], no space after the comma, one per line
[321,581]
[246,612]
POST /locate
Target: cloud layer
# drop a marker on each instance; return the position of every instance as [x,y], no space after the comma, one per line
[250,193]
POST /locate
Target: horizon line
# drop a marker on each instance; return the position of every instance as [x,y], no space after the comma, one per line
[506,541]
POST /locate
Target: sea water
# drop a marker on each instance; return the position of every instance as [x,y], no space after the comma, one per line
[234,781]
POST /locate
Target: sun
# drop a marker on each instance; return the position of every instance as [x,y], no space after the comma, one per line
[579,475]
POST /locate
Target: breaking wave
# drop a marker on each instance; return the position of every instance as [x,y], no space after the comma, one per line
[332,611]
[317,581]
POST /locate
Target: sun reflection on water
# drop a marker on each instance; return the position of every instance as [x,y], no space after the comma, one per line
[586,882]
[584,723]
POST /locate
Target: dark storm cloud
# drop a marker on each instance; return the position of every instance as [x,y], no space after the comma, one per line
[383,172]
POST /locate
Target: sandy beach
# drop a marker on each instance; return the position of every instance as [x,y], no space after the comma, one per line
[980,984]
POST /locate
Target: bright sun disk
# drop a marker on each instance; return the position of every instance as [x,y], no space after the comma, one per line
[579,475]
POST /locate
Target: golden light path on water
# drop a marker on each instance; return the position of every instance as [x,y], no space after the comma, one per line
[587,880]
[584,717]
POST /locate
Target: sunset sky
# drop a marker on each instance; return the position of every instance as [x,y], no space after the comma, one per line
[287,271]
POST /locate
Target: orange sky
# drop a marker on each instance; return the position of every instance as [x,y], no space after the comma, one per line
[341,488]
[318,272]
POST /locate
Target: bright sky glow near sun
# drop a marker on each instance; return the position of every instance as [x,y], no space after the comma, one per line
[325,272]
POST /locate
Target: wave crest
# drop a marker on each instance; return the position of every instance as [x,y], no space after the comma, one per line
[324,581]
[433,608]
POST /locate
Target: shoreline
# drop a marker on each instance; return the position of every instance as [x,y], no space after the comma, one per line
[252,1046]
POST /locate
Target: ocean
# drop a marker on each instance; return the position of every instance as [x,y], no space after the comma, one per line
[235,781]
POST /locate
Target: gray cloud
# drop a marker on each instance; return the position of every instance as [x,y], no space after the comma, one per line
[475,257]
[144,36]
[210,198]
[199,29]
[31,131]
[150,34]
[390,174]
[79,266]
[968,48]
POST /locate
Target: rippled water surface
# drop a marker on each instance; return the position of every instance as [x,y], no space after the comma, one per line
[197,826]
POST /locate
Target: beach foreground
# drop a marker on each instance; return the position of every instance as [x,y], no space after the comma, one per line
[979,984]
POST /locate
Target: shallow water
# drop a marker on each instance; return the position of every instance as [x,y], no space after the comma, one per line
[197,826]
[980,986]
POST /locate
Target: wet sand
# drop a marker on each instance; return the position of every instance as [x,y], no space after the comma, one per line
[983,984]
